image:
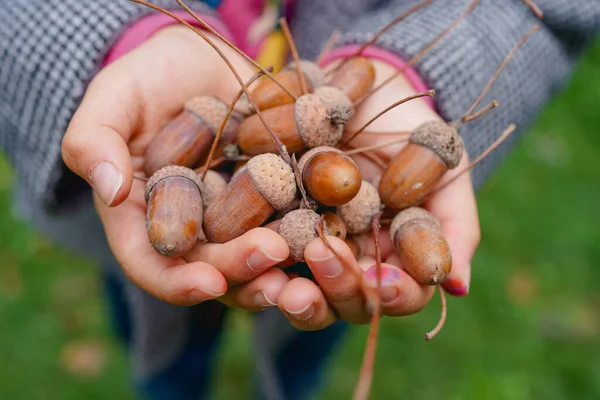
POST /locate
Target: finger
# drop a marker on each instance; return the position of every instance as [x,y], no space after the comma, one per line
[339,278]
[305,305]
[95,143]
[246,256]
[456,208]
[366,243]
[400,293]
[258,294]
[169,279]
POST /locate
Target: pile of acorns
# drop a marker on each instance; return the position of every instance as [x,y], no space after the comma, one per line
[292,175]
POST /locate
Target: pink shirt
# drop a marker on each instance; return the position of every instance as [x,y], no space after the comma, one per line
[233,22]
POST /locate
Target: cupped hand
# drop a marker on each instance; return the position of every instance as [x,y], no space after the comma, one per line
[340,284]
[125,106]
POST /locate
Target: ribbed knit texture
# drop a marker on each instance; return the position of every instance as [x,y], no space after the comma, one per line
[49,51]
[460,66]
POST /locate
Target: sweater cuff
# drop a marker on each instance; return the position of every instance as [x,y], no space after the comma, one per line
[149,25]
[411,74]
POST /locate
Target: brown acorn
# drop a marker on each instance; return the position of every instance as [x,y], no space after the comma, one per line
[268,94]
[265,184]
[309,122]
[335,225]
[355,78]
[186,140]
[434,147]
[174,210]
[298,228]
[329,176]
[424,252]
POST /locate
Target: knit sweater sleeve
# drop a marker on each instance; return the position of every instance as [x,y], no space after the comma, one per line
[49,51]
[460,66]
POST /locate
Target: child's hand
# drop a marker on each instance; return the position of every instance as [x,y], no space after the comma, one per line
[124,107]
[339,291]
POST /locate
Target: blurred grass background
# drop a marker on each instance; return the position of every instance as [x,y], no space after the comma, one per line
[529,329]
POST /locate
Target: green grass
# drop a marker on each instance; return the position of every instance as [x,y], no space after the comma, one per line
[528,330]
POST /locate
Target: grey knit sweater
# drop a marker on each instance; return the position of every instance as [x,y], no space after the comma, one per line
[50,49]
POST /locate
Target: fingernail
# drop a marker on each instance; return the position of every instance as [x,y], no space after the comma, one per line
[303,314]
[106,181]
[328,266]
[389,276]
[259,260]
[459,286]
[203,295]
[262,300]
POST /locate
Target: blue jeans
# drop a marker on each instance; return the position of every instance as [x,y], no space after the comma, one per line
[300,364]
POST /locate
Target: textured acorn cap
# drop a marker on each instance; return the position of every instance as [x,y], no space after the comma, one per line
[212,185]
[358,212]
[442,139]
[168,172]
[319,121]
[312,152]
[334,94]
[411,214]
[313,73]
[211,111]
[299,228]
[274,178]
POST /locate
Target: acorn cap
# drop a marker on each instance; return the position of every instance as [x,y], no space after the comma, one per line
[212,185]
[274,178]
[358,212]
[212,112]
[312,152]
[442,139]
[320,122]
[168,172]
[334,94]
[410,214]
[313,73]
[299,228]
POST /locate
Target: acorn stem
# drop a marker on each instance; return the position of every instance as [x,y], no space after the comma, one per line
[374,300]
[501,67]
[534,8]
[224,123]
[359,150]
[423,52]
[468,118]
[223,39]
[290,41]
[429,93]
[333,39]
[399,18]
[430,335]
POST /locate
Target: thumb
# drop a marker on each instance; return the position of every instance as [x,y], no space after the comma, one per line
[95,143]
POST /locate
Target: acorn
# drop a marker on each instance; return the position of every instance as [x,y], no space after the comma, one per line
[267,94]
[329,176]
[309,122]
[264,185]
[174,210]
[186,140]
[418,240]
[434,147]
[298,228]
[355,78]
[358,213]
